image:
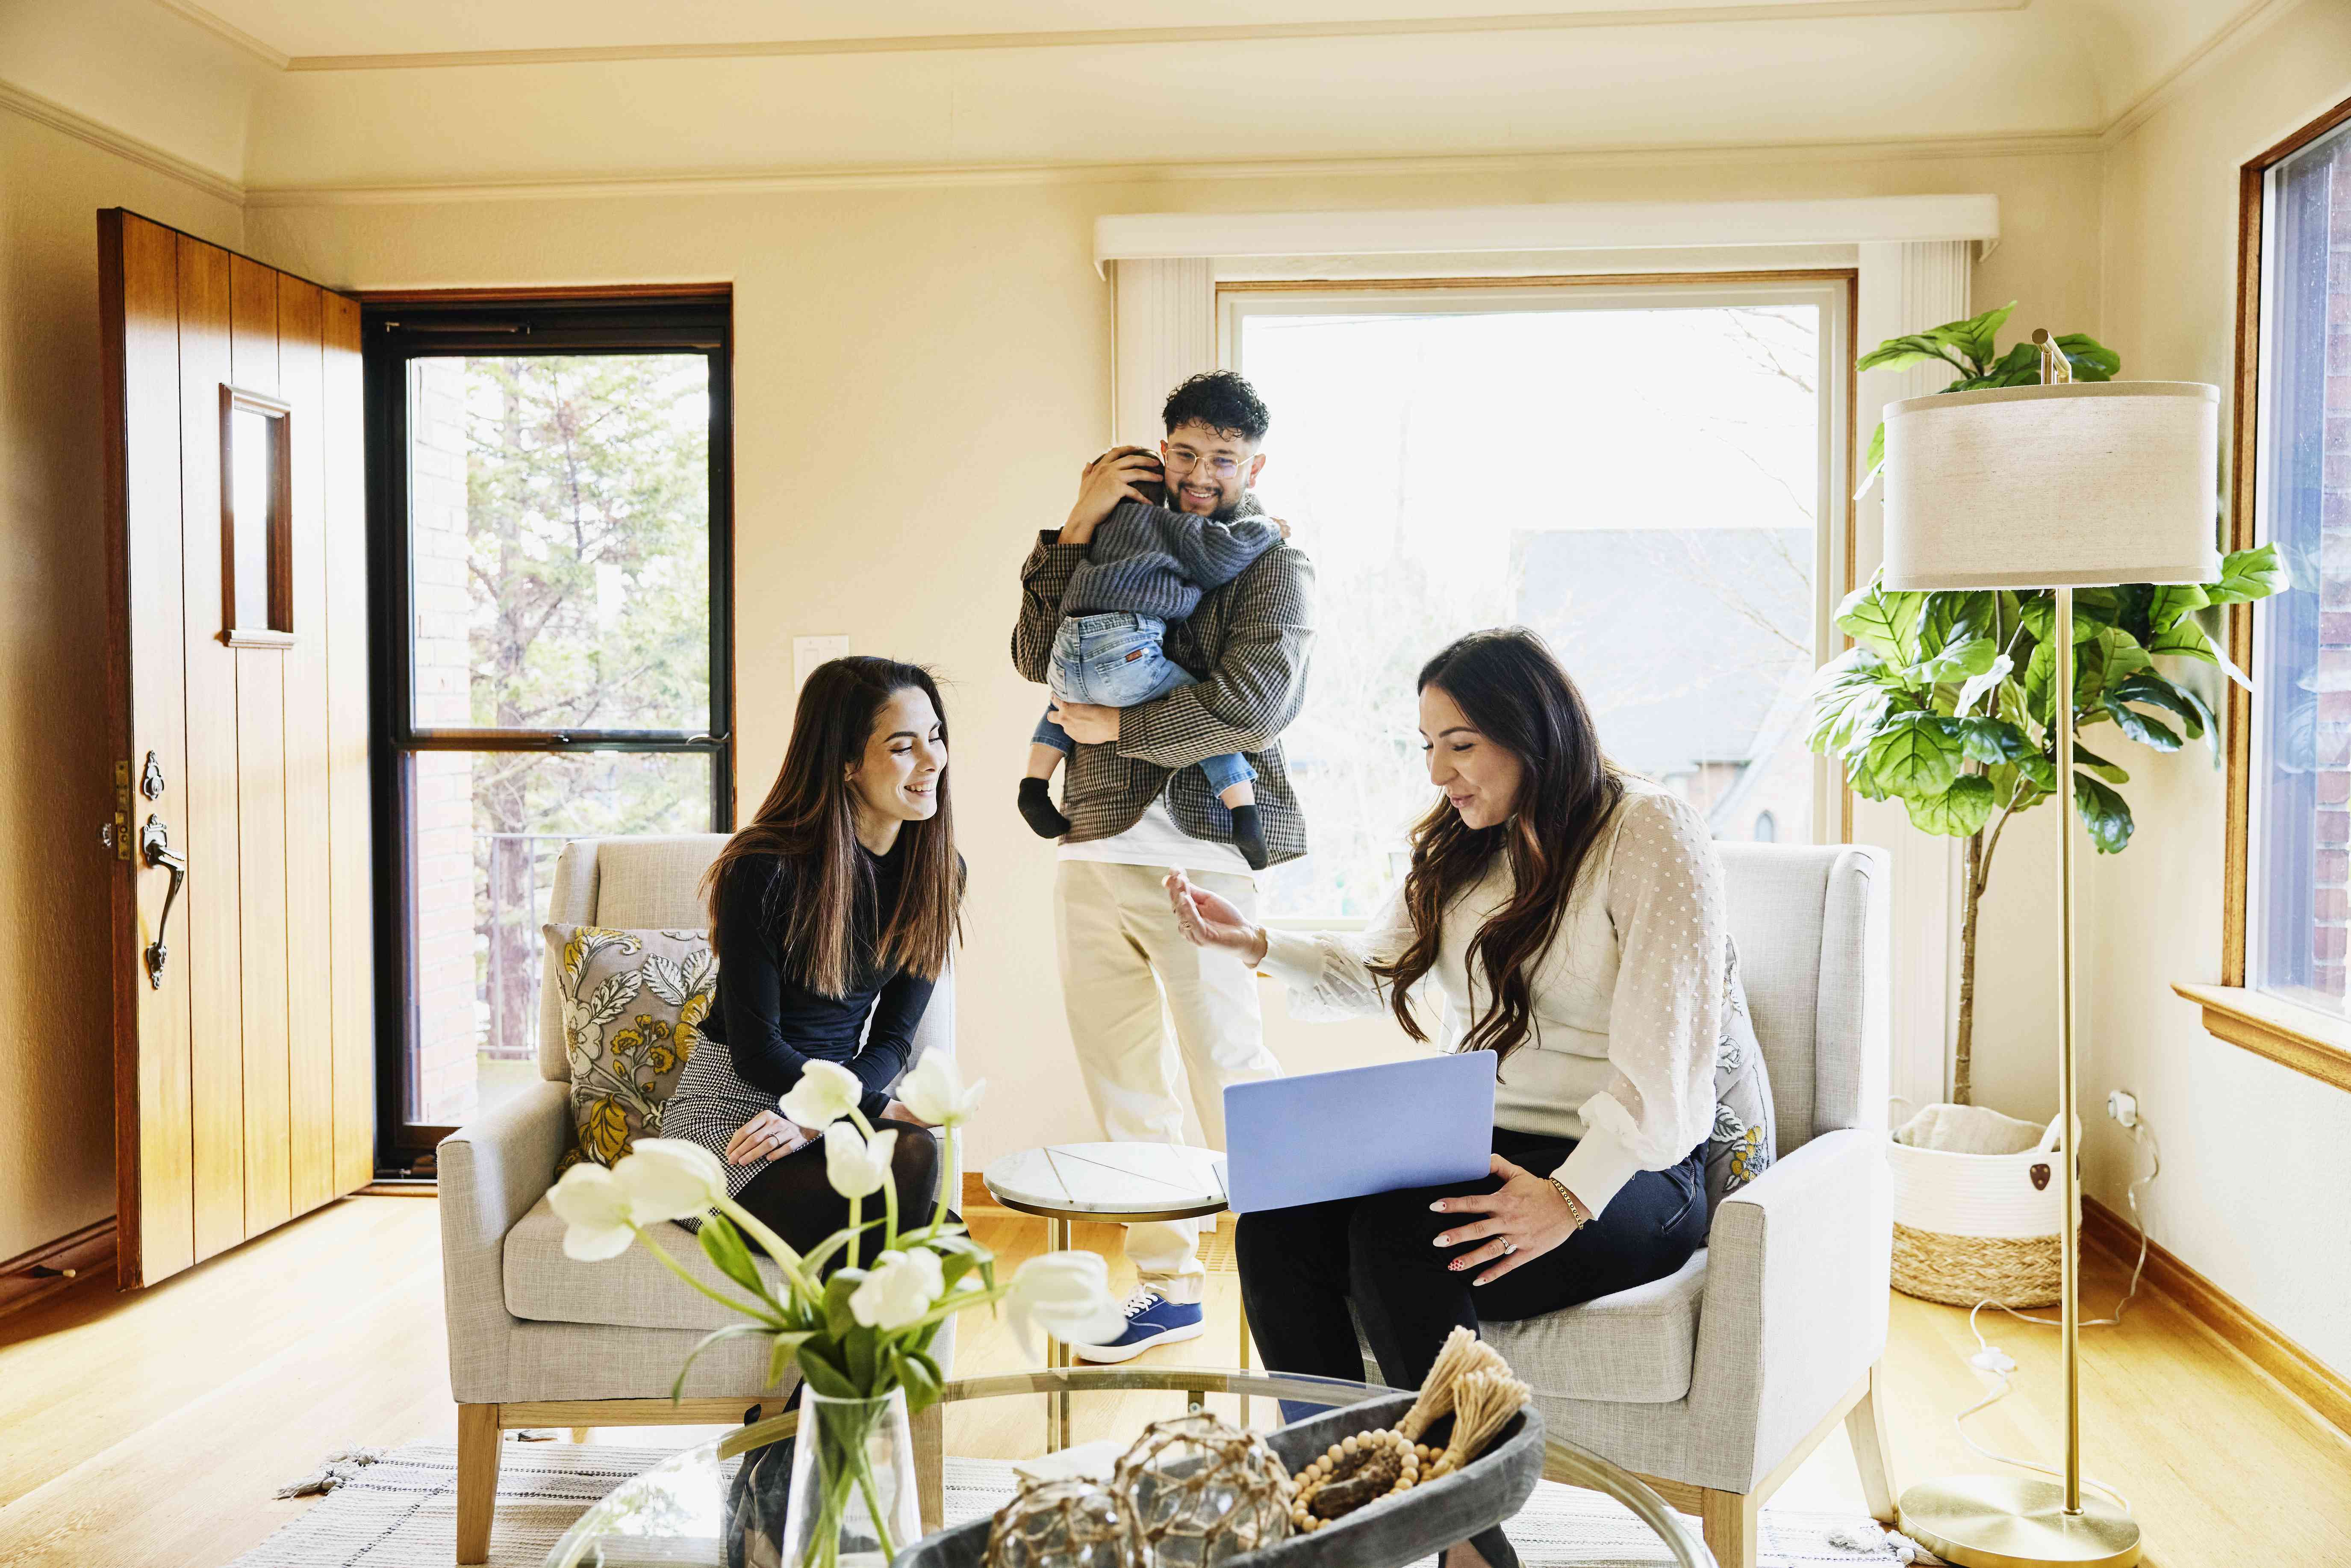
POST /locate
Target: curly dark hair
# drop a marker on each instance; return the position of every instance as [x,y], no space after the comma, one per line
[1221,399]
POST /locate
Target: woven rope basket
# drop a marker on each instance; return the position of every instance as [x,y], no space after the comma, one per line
[1978,1228]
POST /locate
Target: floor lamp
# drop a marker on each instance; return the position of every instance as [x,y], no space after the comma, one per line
[2062,486]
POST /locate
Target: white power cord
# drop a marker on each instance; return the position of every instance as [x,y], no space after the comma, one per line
[1996,1363]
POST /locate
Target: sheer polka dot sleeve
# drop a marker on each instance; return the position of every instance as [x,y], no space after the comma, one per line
[1328,973]
[1666,902]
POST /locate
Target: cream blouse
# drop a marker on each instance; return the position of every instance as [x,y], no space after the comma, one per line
[1626,1003]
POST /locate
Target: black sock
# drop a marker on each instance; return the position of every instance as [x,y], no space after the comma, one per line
[1249,837]
[1037,805]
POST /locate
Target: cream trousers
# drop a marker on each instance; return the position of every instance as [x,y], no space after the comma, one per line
[1123,958]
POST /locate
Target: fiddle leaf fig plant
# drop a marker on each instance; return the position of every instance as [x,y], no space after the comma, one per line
[1944,702]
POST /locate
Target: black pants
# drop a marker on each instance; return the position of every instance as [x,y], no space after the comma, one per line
[794,1198]
[1302,1267]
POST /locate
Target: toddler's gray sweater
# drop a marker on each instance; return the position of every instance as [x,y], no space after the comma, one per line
[1153,561]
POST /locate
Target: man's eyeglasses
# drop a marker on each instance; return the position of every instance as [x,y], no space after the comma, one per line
[1179,461]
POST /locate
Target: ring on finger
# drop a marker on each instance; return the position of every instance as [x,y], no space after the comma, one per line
[1508,1246]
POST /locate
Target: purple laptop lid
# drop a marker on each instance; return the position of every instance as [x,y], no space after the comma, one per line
[1358,1130]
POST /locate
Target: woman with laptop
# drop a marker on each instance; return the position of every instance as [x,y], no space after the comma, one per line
[1572,918]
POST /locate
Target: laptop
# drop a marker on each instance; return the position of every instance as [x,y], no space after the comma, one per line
[1358,1130]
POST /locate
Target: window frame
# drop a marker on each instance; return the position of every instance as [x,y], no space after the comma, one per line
[397,328]
[1834,292]
[2289,1032]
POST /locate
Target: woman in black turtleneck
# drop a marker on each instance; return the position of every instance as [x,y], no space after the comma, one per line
[831,915]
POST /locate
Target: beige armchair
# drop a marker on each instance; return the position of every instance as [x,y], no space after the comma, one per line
[537,1339]
[1715,1383]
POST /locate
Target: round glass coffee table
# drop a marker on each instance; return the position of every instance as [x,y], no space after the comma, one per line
[1123,1184]
[670,1514]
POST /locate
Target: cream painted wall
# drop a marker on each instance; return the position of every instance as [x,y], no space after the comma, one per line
[56,1121]
[918,374]
[2253,1193]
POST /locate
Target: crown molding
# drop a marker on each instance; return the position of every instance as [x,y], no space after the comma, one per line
[222,27]
[2233,35]
[724,183]
[1127,37]
[58,117]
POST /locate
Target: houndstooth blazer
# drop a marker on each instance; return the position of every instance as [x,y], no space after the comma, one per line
[1248,643]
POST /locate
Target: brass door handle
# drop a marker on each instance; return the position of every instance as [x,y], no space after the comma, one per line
[155,847]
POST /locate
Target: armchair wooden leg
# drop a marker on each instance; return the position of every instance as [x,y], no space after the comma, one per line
[1865,1425]
[580,1434]
[1731,1530]
[930,1432]
[477,1479]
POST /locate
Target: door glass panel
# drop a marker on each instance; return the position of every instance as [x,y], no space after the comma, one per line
[484,829]
[560,541]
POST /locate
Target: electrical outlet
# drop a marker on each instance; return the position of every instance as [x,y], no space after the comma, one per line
[2122,1106]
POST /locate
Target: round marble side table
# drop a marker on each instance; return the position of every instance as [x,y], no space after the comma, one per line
[1120,1182]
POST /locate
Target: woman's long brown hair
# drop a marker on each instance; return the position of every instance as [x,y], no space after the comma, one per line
[1509,685]
[810,817]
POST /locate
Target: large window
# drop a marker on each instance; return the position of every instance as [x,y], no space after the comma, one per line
[1649,475]
[552,537]
[2300,710]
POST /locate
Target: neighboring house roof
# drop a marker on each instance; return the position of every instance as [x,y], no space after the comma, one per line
[1686,641]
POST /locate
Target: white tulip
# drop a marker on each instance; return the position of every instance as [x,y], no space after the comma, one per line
[826,1092]
[669,1178]
[1067,1294]
[901,1288]
[596,1214]
[934,1090]
[854,1165]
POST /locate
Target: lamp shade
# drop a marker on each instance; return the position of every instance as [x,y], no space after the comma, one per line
[2077,484]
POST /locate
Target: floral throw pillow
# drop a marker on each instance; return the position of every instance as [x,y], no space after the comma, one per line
[632,1003]
[1746,1138]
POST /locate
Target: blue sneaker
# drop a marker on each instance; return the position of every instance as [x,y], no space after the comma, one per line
[1151,1319]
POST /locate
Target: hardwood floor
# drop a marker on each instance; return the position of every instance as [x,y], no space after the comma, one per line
[152,1429]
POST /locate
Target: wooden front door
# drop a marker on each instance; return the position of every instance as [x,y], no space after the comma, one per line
[240,933]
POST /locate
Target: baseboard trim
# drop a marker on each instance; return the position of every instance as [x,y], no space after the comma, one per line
[42,1272]
[2295,1369]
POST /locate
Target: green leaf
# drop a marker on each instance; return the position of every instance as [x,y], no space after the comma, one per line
[919,1376]
[2249,574]
[2105,813]
[2150,690]
[780,1357]
[1957,811]
[1960,659]
[1911,349]
[2139,728]
[723,1245]
[820,1364]
[1916,754]
[2173,600]
[2085,758]
[732,1331]
[839,1321]
[1881,621]
[1850,695]
[1976,686]
[2095,609]
[2183,639]
[2091,360]
[1973,337]
[832,1244]
[861,1352]
[1872,461]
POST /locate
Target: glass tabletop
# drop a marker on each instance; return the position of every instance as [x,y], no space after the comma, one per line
[672,1514]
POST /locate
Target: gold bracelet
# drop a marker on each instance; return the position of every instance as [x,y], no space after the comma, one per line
[1575,1209]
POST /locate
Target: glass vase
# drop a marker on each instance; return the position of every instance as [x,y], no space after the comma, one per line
[852,1501]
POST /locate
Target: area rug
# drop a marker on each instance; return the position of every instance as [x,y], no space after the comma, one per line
[402,1512]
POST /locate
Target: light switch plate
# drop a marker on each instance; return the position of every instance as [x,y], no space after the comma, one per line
[808,653]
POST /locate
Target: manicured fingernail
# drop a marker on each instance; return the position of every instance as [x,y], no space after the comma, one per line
[1442,1241]
[1437,1207]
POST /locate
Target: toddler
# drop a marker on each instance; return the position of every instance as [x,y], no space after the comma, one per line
[1145,566]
